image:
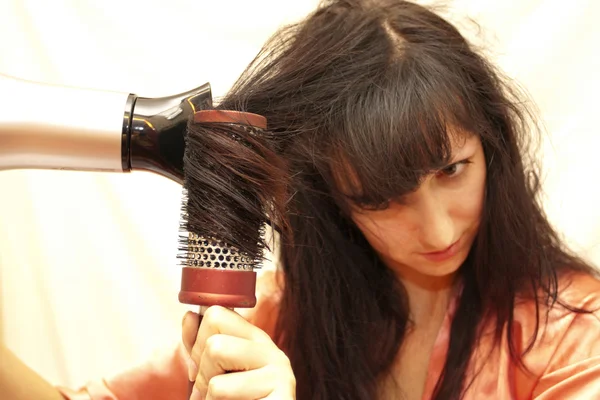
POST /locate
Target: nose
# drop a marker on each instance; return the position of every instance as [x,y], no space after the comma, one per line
[436,226]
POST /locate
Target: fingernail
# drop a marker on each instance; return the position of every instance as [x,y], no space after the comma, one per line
[192,370]
[195,394]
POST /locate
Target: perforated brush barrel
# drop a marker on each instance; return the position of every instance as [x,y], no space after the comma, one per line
[215,270]
[216,273]
[215,253]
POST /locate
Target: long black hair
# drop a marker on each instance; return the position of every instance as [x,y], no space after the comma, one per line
[376,85]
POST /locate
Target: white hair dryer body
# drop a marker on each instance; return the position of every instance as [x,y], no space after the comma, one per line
[45,126]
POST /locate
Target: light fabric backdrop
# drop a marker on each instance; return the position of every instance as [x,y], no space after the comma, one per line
[88,275]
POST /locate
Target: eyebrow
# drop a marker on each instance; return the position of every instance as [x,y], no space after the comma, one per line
[455,157]
[466,147]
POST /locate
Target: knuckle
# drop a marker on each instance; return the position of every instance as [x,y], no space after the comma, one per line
[216,390]
[284,377]
[213,313]
[215,346]
[289,381]
[262,336]
[282,358]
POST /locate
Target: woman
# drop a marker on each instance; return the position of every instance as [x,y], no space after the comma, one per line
[419,263]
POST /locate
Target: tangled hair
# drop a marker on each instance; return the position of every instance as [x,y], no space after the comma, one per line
[377,85]
[234,184]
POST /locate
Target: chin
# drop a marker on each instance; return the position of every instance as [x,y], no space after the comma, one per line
[427,270]
[442,270]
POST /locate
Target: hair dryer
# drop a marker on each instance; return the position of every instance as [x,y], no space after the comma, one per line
[44,126]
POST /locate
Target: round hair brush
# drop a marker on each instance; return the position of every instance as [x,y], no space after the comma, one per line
[233,186]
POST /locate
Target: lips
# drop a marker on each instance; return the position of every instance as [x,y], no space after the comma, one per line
[438,256]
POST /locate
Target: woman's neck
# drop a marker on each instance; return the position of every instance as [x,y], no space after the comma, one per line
[428,297]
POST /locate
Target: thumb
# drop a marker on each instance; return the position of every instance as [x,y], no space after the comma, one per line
[190,325]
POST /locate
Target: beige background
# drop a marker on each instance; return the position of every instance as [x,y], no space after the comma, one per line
[88,276]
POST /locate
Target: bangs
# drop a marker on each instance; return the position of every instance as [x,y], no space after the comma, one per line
[394,134]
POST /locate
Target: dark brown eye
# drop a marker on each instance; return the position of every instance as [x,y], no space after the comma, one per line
[454,169]
[450,170]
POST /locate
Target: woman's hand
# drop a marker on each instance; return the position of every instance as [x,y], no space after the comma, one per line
[233,359]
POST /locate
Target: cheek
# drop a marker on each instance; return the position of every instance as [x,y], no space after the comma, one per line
[468,204]
[469,208]
[384,232]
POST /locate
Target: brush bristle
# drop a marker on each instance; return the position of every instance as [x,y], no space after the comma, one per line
[232,180]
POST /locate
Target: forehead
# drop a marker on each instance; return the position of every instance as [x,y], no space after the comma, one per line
[382,182]
[461,142]
[464,142]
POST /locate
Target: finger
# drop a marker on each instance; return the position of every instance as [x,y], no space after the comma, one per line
[223,353]
[249,385]
[190,325]
[219,320]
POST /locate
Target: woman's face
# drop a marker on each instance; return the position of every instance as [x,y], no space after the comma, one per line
[430,231]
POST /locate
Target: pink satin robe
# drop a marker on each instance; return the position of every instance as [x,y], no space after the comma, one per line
[564,363]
